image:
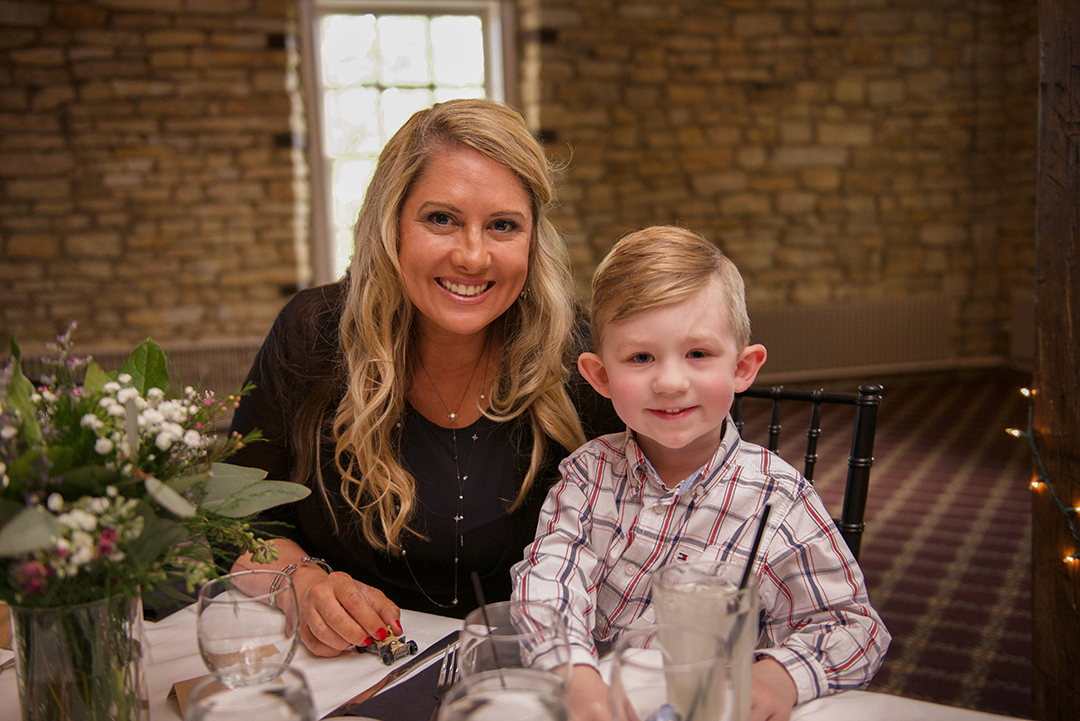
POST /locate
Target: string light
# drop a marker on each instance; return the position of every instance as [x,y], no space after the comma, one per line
[1043,479]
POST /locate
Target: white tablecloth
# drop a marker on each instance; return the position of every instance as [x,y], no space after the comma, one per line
[174,656]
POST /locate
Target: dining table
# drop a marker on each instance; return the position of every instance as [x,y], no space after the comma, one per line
[172,657]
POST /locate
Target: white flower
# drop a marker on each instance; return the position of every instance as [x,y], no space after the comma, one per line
[48,395]
[55,502]
[116,411]
[111,491]
[150,417]
[98,506]
[78,520]
[124,394]
[155,394]
[110,387]
[103,446]
[192,439]
[8,432]
[124,378]
[35,397]
[164,440]
[91,421]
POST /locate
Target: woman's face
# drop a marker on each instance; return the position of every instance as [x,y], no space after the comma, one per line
[464,230]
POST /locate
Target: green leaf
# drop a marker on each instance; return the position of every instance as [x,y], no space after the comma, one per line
[95,379]
[148,367]
[169,499]
[18,396]
[33,529]
[158,534]
[180,484]
[257,497]
[228,479]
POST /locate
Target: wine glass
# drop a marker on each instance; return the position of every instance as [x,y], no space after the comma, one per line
[506,694]
[247,639]
[515,634]
[286,697]
[670,671]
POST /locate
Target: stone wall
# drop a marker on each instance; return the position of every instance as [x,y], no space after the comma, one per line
[146,178]
[839,150]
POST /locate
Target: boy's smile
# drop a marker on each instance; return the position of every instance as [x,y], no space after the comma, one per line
[672,373]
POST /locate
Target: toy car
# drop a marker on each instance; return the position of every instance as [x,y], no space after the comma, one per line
[391,648]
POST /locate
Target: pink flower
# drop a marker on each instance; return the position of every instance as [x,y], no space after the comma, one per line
[106,541]
[32,576]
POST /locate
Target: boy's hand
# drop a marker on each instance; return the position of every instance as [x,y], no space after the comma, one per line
[588,695]
[773,693]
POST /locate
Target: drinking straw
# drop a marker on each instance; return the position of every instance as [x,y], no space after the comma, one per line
[754,548]
[479,591]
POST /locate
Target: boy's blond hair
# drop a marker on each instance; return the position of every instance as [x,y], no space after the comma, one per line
[659,266]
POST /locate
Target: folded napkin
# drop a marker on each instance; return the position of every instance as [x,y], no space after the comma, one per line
[411,700]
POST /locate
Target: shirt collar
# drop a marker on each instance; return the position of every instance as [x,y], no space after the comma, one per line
[641,471]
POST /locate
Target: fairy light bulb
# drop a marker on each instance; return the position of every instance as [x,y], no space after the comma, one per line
[1014,432]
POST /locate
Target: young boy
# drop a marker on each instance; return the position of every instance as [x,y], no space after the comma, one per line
[672,334]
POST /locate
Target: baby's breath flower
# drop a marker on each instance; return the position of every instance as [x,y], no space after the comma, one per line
[155,394]
[124,394]
[192,439]
[103,446]
[8,432]
[124,378]
[110,387]
[110,491]
[55,502]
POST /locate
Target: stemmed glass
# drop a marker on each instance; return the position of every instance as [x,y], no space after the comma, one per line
[286,698]
[670,671]
[515,635]
[247,639]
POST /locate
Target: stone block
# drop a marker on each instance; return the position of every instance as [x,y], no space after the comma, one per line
[152,6]
[50,189]
[810,155]
[887,92]
[94,244]
[173,38]
[25,14]
[943,234]
[51,98]
[36,164]
[22,246]
[746,204]
[845,133]
[820,178]
[37,56]
[80,15]
[750,25]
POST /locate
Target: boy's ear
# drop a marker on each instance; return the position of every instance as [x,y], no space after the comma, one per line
[592,369]
[747,366]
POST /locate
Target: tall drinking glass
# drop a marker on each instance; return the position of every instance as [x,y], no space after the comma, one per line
[670,671]
[247,639]
[515,634]
[706,594]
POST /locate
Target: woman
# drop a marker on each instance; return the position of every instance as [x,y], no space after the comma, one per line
[425,397]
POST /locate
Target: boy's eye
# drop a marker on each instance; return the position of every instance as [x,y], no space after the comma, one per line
[640,358]
[697,354]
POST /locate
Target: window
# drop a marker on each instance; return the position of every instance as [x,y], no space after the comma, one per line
[373,64]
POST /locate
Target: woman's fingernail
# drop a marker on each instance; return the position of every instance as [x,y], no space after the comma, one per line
[399,629]
[367,641]
[381,635]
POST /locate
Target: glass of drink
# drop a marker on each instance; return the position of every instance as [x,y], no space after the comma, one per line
[515,634]
[506,694]
[247,639]
[286,697]
[670,672]
[706,595]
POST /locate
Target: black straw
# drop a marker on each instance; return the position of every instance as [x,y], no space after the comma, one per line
[754,548]
[479,591]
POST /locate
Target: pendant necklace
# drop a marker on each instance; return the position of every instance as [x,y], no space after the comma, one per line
[459,538]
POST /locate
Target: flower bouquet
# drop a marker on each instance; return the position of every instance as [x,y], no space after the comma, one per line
[110,485]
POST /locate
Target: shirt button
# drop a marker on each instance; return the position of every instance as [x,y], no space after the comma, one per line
[628,570]
[658,509]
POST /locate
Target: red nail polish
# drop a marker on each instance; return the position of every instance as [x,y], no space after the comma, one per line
[381,635]
[399,629]
[367,641]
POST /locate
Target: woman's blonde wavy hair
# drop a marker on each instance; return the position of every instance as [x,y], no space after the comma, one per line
[377,324]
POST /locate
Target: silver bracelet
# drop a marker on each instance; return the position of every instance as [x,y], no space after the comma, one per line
[288,571]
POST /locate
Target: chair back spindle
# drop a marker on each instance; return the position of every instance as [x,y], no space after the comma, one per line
[866,402]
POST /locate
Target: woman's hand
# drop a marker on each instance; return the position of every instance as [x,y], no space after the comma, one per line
[338,612]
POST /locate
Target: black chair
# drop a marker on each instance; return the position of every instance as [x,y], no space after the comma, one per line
[866,403]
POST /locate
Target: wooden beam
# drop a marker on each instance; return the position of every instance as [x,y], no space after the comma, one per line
[1055,582]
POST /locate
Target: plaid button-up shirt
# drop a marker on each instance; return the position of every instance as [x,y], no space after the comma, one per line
[611,522]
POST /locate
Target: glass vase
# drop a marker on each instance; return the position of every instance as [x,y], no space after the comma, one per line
[81,663]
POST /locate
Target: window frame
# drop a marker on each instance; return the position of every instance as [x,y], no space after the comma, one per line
[500,83]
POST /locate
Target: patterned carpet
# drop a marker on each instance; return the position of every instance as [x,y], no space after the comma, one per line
[947,550]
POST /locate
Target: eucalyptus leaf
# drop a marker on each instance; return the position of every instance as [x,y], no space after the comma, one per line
[148,367]
[95,379]
[228,479]
[181,484]
[18,396]
[257,497]
[169,499]
[30,530]
[158,535]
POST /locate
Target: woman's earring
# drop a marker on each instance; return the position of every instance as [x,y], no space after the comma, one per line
[524,294]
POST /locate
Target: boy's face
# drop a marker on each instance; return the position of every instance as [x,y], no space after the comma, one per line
[672,373]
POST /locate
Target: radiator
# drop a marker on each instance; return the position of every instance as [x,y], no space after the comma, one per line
[851,339]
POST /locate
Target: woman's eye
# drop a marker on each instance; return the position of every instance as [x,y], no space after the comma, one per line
[504,226]
[439,218]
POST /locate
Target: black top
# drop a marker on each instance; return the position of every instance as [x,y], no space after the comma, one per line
[300,361]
